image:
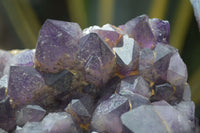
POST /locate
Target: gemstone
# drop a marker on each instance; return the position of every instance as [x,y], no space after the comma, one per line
[135,85]
[127,56]
[160,29]
[60,122]
[24,83]
[177,70]
[146,62]
[3,86]
[139,29]
[60,39]
[106,117]
[30,113]
[163,92]
[31,127]
[97,59]
[7,116]
[103,80]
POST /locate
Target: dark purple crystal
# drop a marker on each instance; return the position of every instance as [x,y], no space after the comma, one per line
[139,29]
[57,45]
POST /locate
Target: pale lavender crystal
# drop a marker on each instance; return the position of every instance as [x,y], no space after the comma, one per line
[106,117]
[31,127]
[7,118]
[3,86]
[135,85]
[5,56]
[139,29]
[186,93]
[160,115]
[127,55]
[187,108]
[146,62]
[30,113]
[160,29]
[24,58]
[60,122]
[177,70]
[176,121]
[196,7]
[143,119]
[163,54]
[24,84]
[97,58]
[2,131]
[57,45]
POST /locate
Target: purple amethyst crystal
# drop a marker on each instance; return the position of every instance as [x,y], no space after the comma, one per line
[24,84]
[57,38]
[23,58]
[7,116]
[177,70]
[160,29]
[30,113]
[61,122]
[161,116]
[139,29]
[162,58]
[146,62]
[106,117]
[97,58]
[135,85]
[108,79]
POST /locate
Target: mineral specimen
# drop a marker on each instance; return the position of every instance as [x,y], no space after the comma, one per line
[108,79]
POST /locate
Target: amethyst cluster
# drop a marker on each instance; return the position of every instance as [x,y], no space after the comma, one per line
[108,79]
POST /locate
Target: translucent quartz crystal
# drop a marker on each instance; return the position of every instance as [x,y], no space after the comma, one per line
[7,116]
[162,116]
[127,55]
[5,56]
[24,83]
[60,39]
[106,117]
[97,58]
[60,122]
[3,86]
[160,29]
[139,29]
[30,113]
[23,58]
[105,79]
[177,70]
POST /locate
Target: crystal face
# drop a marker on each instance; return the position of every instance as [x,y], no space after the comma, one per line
[110,79]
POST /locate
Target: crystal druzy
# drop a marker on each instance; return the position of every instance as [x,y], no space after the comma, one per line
[108,79]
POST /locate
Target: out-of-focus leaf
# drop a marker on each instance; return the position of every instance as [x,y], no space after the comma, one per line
[181,24]
[77,12]
[24,21]
[195,86]
[158,9]
[106,8]
[196,8]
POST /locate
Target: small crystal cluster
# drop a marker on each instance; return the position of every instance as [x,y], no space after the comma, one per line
[124,79]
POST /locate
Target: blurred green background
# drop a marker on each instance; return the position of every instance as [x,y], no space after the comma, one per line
[20,21]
